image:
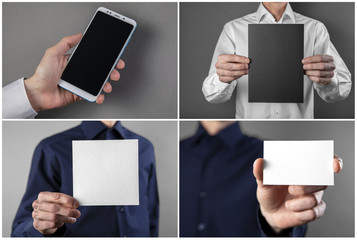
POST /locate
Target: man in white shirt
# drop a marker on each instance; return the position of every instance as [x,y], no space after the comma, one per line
[24,98]
[325,71]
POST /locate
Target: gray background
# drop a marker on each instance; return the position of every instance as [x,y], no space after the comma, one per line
[202,23]
[148,84]
[338,220]
[27,134]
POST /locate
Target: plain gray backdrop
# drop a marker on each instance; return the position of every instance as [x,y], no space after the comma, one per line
[200,27]
[148,84]
[21,138]
[338,220]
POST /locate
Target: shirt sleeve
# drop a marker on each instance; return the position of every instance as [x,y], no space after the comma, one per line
[153,200]
[267,231]
[213,89]
[44,176]
[15,103]
[340,86]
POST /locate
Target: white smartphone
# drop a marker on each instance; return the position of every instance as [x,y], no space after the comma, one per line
[97,53]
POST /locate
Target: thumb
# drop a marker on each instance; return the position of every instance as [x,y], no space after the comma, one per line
[258,171]
[67,43]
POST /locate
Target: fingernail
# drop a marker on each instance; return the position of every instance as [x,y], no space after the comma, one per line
[340,162]
[303,61]
[247,60]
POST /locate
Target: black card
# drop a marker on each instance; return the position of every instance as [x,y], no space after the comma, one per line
[276,73]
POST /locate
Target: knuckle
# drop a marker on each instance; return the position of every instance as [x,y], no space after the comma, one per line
[36,224]
[312,201]
[54,217]
[52,225]
[68,201]
[310,215]
[65,39]
[34,215]
[331,59]
[54,208]
[41,194]
[34,204]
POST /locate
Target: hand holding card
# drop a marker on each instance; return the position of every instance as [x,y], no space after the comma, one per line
[285,206]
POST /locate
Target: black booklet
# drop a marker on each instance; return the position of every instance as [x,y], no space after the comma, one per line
[276,73]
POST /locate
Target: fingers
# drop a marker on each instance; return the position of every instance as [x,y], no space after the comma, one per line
[46,216]
[319,66]
[115,75]
[258,170]
[311,214]
[316,73]
[318,58]
[107,87]
[233,74]
[100,99]
[120,64]
[67,43]
[337,164]
[320,80]
[60,198]
[303,190]
[52,210]
[233,58]
[55,208]
[304,203]
[230,67]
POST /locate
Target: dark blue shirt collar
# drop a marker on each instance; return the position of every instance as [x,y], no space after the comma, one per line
[91,129]
[229,136]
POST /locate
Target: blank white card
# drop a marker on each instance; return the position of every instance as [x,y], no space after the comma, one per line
[298,163]
[105,172]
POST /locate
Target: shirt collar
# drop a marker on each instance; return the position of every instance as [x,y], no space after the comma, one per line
[262,11]
[92,128]
[230,136]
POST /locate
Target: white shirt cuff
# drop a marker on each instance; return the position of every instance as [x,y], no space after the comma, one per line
[15,103]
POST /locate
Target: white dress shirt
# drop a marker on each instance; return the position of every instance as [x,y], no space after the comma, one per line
[234,40]
[15,103]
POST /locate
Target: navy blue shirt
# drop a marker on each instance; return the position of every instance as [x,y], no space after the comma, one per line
[218,188]
[51,170]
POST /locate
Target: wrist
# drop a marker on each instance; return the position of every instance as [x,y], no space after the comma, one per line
[32,93]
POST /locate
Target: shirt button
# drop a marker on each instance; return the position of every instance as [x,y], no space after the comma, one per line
[203,194]
[121,210]
[201,227]
[276,112]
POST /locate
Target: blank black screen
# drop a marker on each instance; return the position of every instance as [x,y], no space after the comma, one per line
[275,72]
[96,53]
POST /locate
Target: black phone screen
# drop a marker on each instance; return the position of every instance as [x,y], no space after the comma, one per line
[97,52]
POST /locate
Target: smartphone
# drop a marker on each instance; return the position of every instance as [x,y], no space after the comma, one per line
[97,53]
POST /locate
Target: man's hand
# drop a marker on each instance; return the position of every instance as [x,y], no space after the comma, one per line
[289,206]
[231,67]
[52,210]
[42,88]
[319,68]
